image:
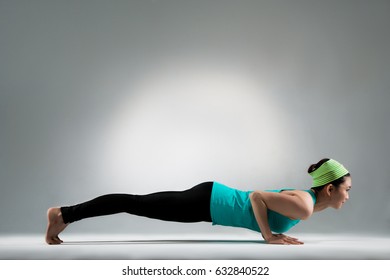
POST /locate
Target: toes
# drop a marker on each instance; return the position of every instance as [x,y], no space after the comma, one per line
[57,238]
[52,241]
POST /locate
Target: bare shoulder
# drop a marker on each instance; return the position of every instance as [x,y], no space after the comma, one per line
[304,196]
[299,193]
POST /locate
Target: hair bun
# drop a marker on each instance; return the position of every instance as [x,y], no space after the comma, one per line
[312,168]
[316,165]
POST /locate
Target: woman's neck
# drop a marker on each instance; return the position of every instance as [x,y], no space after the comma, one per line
[321,202]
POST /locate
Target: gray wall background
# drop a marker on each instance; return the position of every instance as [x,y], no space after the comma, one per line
[141,96]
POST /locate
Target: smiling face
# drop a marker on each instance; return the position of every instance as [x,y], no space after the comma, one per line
[340,195]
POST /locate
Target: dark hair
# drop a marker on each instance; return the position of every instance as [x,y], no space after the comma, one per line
[335,183]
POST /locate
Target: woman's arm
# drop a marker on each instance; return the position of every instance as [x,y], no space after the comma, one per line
[290,204]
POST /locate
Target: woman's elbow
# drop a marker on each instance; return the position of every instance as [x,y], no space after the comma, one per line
[255,196]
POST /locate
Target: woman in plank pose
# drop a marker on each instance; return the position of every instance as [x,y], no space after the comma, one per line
[270,212]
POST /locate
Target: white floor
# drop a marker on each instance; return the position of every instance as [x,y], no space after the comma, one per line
[120,247]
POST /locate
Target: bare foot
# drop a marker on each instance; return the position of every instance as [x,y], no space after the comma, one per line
[55,225]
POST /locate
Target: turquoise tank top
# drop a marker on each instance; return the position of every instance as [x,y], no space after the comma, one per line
[232,207]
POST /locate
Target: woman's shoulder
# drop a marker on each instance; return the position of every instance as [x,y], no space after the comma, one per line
[308,200]
[304,194]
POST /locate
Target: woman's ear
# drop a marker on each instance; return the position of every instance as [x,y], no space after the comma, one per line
[329,188]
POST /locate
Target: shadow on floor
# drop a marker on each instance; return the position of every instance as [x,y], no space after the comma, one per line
[166,241]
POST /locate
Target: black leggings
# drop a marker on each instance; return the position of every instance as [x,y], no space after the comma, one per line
[189,206]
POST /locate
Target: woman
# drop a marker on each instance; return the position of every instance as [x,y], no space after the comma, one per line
[271,212]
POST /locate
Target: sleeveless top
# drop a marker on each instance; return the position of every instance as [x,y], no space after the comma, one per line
[232,207]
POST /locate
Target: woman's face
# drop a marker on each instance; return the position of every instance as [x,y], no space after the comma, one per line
[340,195]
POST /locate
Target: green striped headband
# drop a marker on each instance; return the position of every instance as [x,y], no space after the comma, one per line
[328,172]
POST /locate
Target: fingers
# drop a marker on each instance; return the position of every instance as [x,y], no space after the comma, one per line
[292,240]
[284,239]
[295,242]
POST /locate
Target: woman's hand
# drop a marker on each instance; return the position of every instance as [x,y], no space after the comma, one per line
[282,239]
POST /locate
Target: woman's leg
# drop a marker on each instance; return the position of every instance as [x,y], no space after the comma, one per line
[192,205]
